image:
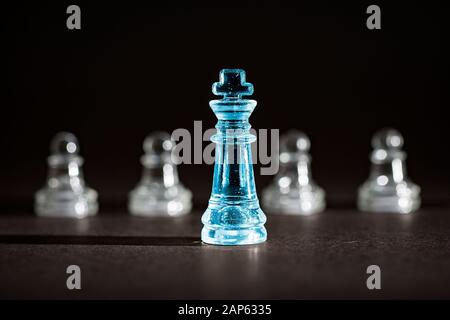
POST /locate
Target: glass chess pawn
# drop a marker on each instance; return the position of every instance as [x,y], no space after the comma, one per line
[388,188]
[159,192]
[233,216]
[65,193]
[293,190]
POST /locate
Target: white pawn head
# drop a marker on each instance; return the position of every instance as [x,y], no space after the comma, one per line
[64,144]
[294,145]
[387,139]
[158,143]
[157,149]
[295,141]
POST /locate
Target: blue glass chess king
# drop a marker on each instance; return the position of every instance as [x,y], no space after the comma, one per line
[233,216]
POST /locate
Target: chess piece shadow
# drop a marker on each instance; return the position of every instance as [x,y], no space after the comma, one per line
[100,240]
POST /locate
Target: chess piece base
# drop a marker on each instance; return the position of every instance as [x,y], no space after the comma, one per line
[149,201]
[233,225]
[401,200]
[66,204]
[295,202]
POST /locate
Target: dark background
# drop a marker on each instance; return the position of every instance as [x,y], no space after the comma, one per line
[138,67]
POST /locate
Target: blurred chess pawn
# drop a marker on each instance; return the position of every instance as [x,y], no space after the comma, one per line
[65,194]
[159,193]
[388,189]
[293,191]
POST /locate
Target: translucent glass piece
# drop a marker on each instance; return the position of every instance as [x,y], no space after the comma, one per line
[233,216]
[293,190]
[388,188]
[159,192]
[65,193]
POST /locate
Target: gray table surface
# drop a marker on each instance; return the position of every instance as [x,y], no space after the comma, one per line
[321,256]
